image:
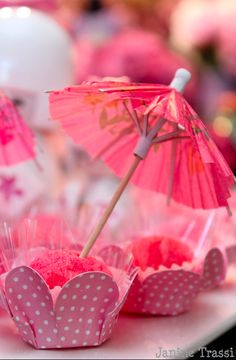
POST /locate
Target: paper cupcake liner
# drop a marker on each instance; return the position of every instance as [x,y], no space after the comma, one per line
[82,313]
[231,254]
[172,291]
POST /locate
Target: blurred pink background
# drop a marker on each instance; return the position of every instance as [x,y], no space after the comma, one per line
[144,40]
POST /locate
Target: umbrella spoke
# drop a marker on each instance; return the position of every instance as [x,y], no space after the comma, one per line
[172,171]
[159,124]
[137,123]
[170,136]
[134,117]
[145,141]
[160,141]
[145,126]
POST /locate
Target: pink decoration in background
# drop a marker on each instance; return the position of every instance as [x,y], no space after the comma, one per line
[21,187]
[139,54]
[172,291]
[8,187]
[188,168]
[16,139]
[194,23]
[51,229]
[197,24]
[38,4]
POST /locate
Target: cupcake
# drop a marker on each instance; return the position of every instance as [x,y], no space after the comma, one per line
[57,267]
[156,251]
[170,275]
[59,300]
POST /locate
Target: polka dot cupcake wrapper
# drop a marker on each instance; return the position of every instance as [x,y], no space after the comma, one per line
[172,292]
[231,254]
[84,313]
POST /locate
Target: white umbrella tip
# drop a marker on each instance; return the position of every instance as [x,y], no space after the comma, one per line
[181,78]
[183,74]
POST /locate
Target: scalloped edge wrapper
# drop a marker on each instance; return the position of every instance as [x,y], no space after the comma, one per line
[231,254]
[170,292]
[82,313]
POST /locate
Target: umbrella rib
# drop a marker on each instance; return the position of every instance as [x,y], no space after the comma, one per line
[160,141]
[132,88]
[137,122]
[145,126]
[172,171]
[169,136]
[133,117]
[156,128]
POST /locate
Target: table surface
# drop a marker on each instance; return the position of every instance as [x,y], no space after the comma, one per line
[135,337]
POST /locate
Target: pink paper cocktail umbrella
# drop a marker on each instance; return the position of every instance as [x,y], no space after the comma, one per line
[125,123]
[16,139]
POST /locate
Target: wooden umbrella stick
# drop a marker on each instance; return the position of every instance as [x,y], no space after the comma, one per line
[123,184]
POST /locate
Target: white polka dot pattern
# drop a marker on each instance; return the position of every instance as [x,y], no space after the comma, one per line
[231,254]
[172,292]
[162,293]
[214,268]
[81,314]
[27,310]
[84,315]
[111,320]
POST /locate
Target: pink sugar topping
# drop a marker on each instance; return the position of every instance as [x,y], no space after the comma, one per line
[59,266]
[154,251]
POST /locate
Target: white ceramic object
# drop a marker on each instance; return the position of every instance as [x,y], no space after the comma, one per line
[36,55]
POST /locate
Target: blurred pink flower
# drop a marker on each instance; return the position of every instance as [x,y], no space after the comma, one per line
[200,23]
[84,52]
[227,35]
[227,148]
[140,55]
[194,23]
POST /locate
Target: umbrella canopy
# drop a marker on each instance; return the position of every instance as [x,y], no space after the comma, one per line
[109,119]
[123,123]
[16,139]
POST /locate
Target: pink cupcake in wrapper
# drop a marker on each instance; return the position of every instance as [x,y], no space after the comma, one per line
[172,291]
[172,269]
[58,300]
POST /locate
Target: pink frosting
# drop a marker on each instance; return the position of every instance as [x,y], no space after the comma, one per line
[154,251]
[59,266]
